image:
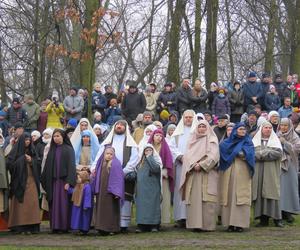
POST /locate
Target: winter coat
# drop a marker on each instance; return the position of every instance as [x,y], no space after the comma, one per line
[76,103]
[16,115]
[99,102]
[211,97]
[236,99]
[199,102]
[272,102]
[183,99]
[110,114]
[280,87]
[132,105]
[221,106]
[252,90]
[293,95]
[55,113]
[285,112]
[151,103]
[169,99]
[33,114]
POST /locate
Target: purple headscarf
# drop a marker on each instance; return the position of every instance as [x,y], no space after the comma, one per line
[116,184]
[165,155]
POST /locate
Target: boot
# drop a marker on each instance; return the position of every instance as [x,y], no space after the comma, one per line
[278,223]
[264,221]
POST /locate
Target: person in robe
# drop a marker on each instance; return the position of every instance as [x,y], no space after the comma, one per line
[126,151]
[82,198]
[159,143]
[289,196]
[86,148]
[199,180]
[46,138]
[23,166]
[3,192]
[148,190]
[181,135]
[108,186]
[58,175]
[147,133]
[237,162]
[83,124]
[266,180]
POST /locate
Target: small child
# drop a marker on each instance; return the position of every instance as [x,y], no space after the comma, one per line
[82,208]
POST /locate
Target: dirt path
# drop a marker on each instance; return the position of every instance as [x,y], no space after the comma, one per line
[256,238]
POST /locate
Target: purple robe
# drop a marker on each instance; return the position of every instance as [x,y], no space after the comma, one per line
[115,181]
[82,216]
[60,206]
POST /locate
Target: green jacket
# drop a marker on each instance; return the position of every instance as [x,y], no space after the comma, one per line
[33,114]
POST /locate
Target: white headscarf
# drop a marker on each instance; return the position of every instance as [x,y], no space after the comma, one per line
[129,139]
[180,127]
[36,133]
[145,138]
[48,131]
[76,136]
[273,140]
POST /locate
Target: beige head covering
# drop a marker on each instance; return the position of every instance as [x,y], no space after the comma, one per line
[180,127]
[129,139]
[273,140]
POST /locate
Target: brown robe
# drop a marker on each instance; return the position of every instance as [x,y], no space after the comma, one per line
[27,212]
[107,207]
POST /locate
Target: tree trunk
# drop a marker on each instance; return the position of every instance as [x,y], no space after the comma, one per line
[197,46]
[229,42]
[269,59]
[2,81]
[35,72]
[173,65]
[296,62]
[210,61]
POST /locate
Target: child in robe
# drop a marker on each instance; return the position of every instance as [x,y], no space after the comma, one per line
[82,207]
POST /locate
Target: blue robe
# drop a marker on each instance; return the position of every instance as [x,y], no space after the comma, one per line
[82,216]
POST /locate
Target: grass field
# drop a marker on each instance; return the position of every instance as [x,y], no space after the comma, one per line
[169,238]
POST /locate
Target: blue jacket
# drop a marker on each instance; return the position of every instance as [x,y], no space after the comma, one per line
[98,102]
[285,112]
[110,113]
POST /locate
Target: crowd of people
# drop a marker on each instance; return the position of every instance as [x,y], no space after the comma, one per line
[208,155]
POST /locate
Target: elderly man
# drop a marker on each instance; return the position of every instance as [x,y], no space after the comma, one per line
[181,134]
[127,153]
[33,113]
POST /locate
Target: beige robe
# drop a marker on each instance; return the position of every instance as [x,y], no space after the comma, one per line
[235,198]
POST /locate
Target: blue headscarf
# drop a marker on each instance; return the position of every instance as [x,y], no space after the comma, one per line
[231,146]
[94,146]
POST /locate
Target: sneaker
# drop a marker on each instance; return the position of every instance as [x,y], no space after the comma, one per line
[154,230]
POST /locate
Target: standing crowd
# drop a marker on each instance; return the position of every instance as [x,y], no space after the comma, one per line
[208,155]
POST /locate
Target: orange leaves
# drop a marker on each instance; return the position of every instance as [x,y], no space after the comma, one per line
[69,12]
[55,51]
[89,35]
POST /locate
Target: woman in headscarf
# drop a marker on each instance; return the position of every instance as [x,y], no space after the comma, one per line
[289,196]
[86,149]
[266,180]
[84,124]
[108,186]
[159,143]
[199,179]
[58,175]
[23,165]
[274,119]
[147,133]
[237,162]
[148,190]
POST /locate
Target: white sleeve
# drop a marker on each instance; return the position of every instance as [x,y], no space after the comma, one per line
[101,149]
[174,149]
[133,161]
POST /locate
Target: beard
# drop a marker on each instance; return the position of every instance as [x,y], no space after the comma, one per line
[119,132]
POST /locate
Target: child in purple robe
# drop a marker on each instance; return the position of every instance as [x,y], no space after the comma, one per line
[82,208]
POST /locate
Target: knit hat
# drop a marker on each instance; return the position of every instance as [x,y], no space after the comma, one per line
[96,114]
[252,74]
[168,84]
[265,75]
[16,99]
[36,133]
[278,76]
[18,125]
[164,115]
[252,112]
[72,122]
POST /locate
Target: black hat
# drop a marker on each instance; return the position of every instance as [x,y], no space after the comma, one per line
[207,112]
[16,99]
[224,117]
[253,112]
[277,76]
[18,125]
[168,84]
[265,75]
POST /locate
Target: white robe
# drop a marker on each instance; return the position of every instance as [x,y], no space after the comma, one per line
[179,205]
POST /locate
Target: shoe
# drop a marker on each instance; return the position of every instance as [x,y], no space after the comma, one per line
[124,230]
[288,217]
[154,230]
[278,223]
[264,221]
[239,229]
[138,231]
[231,229]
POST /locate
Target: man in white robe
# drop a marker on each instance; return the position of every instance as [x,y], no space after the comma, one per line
[127,153]
[181,135]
